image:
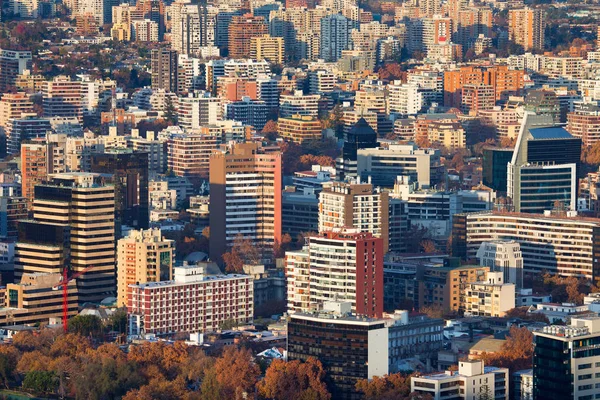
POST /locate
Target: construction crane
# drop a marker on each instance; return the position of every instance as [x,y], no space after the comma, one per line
[64,284]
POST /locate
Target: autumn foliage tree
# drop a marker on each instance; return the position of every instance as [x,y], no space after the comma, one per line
[516,353]
[242,252]
[294,380]
[388,387]
[234,373]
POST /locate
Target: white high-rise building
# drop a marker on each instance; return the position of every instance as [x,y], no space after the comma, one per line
[192,27]
[335,36]
[503,256]
[199,109]
[404,99]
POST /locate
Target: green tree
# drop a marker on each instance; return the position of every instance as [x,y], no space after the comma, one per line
[170,111]
[41,382]
[85,325]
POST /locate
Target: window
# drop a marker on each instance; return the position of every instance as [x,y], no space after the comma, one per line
[584,366]
[584,377]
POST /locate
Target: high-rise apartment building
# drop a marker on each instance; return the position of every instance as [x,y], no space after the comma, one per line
[346,205]
[130,176]
[143,256]
[164,70]
[573,240]
[192,27]
[245,197]
[12,64]
[36,164]
[248,112]
[543,170]
[63,97]
[583,123]
[503,256]
[75,211]
[477,97]
[241,31]
[27,127]
[198,109]
[193,301]
[299,104]
[342,265]
[189,153]
[526,27]
[566,360]
[335,36]
[267,48]
[12,106]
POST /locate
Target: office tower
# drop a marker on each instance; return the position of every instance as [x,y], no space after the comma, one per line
[298,128]
[164,70]
[383,165]
[189,154]
[35,299]
[255,214]
[267,48]
[27,127]
[143,256]
[573,240]
[495,161]
[12,210]
[350,347]
[506,82]
[198,109]
[583,123]
[248,112]
[63,97]
[361,136]
[543,170]
[566,361]
[354,206]
[73,227]
[503,256]
[343,264]
[241,31]
[335,36]
[543,102]
[191,285]
[472,377]
[130,178]
[526,27]
[12,64]
[477,97]
[299,104]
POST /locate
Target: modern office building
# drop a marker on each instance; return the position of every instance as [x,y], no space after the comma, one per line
[543,169]
[495,164]
[347,205]
[342,264]
[566,360]
[248,112]
[143,256]
[472,381]
[350,347]
[245,197]
[526,27]
[193,301]
[12,210]
[503,256]
[130,176]
[573,240]
[360,136]
[77,212]
[383,165]
[299,211]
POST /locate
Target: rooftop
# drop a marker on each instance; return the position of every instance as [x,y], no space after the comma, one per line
[550,133]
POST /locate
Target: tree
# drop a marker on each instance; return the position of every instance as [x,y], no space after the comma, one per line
[236,370]
[170,111]
[279,249]
[388,387]
[428,246]
[516,353]
[432,311]
[242,252]
[117,321]
[270,130]
[41,382]
[8,363]
[294,380]
[86,325]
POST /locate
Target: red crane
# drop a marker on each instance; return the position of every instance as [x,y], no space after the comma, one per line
[65,295]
